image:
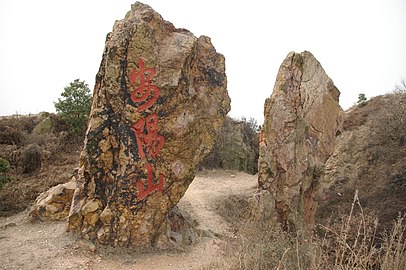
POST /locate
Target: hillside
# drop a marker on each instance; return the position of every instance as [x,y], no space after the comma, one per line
[370,157]
[41,154]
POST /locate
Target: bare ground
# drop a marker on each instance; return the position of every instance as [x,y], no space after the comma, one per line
[24,245]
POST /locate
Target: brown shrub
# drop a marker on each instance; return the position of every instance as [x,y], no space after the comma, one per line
[11,136]
[358,115]
[390,123]
[27,123]
[22,123]
[31,158]
[353,242]
[371,157]
[59,125]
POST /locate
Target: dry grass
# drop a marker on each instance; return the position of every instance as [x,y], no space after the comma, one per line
[353,243]
[394,245]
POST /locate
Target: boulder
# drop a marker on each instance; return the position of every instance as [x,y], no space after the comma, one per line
[159,103]
[54,204]
[302,119]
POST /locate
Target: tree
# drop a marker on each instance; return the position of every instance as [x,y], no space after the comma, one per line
[74,105]
[362,100]
[254,125]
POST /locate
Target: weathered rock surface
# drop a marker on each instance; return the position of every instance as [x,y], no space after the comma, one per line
[302,119]
[261,205]
[54,204]
[159,103]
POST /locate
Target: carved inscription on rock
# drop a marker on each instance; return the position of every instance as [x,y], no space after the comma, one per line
[157,110]
[149,142]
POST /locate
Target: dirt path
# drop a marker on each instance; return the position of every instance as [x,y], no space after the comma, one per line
[46,245]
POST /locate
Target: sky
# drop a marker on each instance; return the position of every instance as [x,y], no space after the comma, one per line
[361,44]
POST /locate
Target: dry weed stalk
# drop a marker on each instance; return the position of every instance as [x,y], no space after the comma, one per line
[355,245]
[394,246]
[351,244]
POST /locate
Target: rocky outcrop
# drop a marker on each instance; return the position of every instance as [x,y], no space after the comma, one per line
[370,156]
[159,103]
[236,149]
[54,204]
[302,119]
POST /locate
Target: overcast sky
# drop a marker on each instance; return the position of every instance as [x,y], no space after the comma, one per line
[361,44]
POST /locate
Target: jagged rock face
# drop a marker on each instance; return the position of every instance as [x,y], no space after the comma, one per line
[302,118]
[159,103]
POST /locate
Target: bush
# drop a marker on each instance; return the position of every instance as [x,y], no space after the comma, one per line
[390,124]
[4,179]
[31,158]
[58,124]
[11,136]
[401,87]
[4,165]
[354,243]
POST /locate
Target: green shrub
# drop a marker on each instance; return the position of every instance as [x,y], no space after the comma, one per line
[3,180]
[4,165]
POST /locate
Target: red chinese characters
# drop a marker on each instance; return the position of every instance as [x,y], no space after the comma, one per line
[151,187]
[145,92]
[149,142]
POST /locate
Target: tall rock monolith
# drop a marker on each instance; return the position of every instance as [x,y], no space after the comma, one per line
[159,103]
[302,119]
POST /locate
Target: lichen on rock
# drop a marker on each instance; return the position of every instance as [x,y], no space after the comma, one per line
[159,103]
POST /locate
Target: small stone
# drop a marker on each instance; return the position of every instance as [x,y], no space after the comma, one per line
[10,224]
[53,204]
